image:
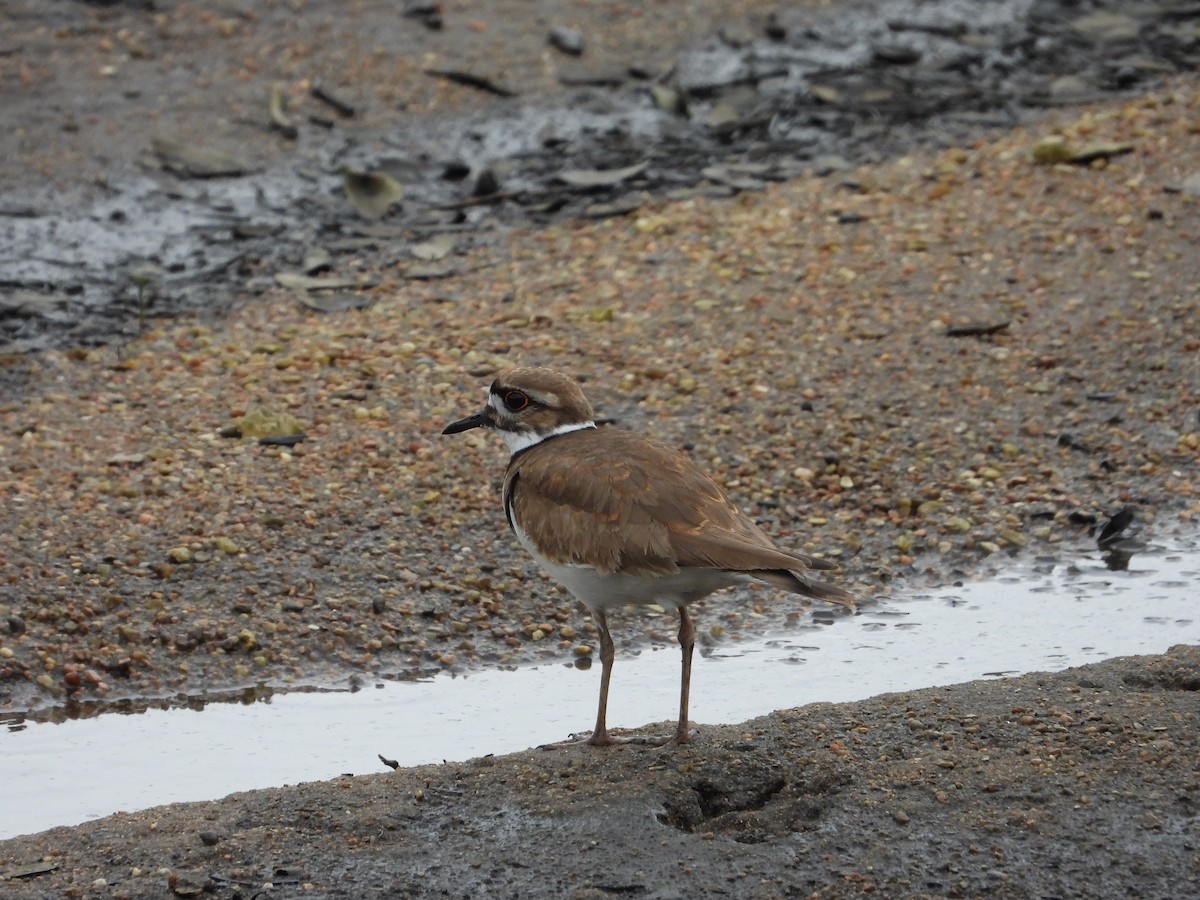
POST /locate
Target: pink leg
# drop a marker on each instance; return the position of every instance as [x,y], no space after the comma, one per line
[687,643]
[608,652]
[600,736]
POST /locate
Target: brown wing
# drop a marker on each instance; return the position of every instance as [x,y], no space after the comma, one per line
[642,507]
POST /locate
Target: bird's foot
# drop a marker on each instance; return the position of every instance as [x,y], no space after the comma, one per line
[604,739]
[682,736]
[596,739]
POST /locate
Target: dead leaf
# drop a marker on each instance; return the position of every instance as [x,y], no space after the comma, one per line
[438,247]
[194,161]
[330,303]
[371,193]
[593,178]
[298,282]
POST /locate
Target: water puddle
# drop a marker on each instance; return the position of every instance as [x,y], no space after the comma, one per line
[1042,616]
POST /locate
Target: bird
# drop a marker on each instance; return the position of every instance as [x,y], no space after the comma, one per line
[618,518]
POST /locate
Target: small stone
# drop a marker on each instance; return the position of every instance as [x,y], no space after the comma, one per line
[895,53]
[828,163]
[1013,537]
[566,40]
[264,422]
[179,555]
[1052,149]
[1106,27]
[1069,86]
[1191,185]
[188,883]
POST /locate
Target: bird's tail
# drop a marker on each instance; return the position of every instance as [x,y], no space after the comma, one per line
[799,583]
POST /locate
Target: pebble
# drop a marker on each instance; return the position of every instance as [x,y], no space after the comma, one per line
[860,448]
[226,545]
[568,40]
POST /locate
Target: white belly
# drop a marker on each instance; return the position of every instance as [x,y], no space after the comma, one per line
[601,590]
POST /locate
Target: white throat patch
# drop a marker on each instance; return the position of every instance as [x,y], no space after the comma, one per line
[523,440]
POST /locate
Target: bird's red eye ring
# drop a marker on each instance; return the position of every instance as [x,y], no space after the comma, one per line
[516,400]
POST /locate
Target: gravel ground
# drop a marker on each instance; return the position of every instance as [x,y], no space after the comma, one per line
[796,341]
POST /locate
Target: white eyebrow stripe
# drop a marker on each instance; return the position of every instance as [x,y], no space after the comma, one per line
[496,403]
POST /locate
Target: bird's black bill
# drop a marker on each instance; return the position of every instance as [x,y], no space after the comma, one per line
[478,420]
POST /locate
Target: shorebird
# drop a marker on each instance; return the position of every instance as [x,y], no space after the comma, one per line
[620,518]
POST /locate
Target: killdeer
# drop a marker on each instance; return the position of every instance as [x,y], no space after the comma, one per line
[619,518]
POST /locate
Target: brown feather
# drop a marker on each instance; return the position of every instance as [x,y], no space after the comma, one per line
[643,508]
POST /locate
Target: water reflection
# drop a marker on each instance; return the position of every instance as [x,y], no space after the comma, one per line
[74,763]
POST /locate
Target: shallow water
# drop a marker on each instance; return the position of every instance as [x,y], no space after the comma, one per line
[1041,616]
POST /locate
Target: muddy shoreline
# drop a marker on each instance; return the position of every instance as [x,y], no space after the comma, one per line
[1082,783]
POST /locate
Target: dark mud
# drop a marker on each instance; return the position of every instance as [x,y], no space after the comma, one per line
[1083,783]
[167,214]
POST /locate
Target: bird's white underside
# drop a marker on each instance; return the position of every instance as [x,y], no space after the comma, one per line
[603,590]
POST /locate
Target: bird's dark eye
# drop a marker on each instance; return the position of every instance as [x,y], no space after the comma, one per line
[515,400]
